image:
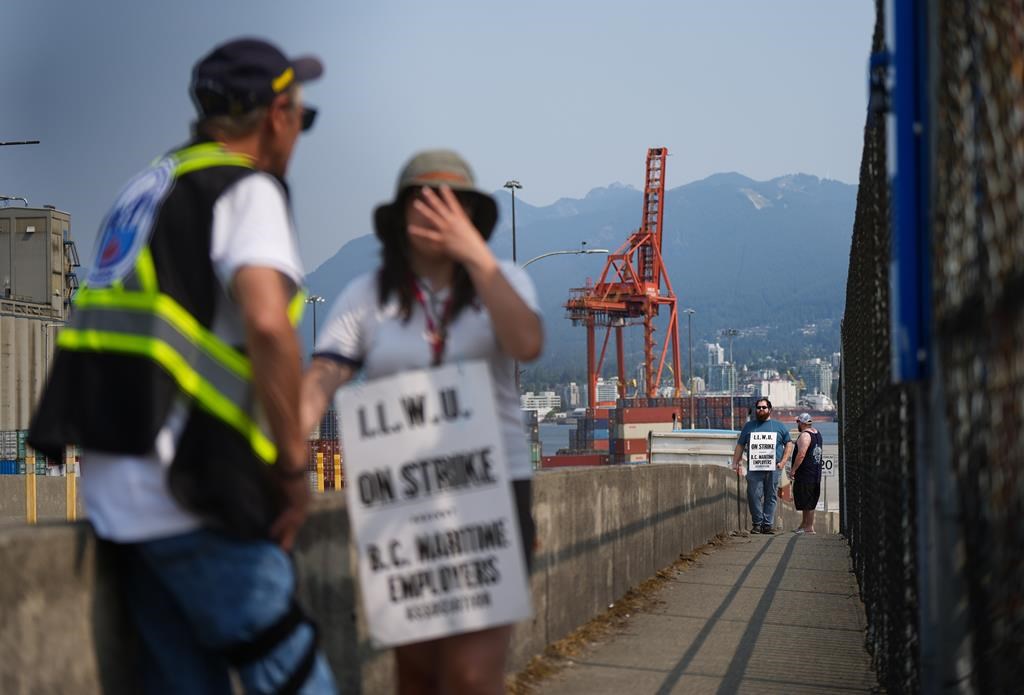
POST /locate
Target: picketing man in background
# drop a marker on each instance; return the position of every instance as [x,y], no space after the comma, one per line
[762,486]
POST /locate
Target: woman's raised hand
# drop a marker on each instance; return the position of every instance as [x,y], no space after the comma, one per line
[448,228]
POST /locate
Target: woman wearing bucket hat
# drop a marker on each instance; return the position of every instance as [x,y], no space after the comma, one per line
[439,295]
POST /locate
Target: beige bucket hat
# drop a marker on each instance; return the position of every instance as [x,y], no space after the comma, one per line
[434,168]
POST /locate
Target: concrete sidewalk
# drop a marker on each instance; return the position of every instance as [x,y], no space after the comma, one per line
[760,614]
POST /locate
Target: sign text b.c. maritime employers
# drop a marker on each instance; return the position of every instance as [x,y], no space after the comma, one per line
[431,506]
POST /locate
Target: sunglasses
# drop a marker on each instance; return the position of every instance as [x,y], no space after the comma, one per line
[763,407]
[308,116]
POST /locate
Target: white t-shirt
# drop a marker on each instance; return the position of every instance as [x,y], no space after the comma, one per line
[362,333]
[126,497]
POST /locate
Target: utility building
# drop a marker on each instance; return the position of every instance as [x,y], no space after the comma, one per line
[37,280]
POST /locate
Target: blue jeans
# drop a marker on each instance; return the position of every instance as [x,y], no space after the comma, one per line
[195,594]
[762,484]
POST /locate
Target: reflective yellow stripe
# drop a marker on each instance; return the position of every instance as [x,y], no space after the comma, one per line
[218,160]
[198,150]
[177,316]
[191,382]
[145,271]
[296,307]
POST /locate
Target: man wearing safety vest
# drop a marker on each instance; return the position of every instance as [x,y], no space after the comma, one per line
[178,376]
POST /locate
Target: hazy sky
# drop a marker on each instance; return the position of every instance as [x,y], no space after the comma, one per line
[564,96]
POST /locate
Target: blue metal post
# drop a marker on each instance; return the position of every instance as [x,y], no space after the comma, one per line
[910,275]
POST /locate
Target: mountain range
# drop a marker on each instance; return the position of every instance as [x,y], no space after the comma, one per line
[768,258]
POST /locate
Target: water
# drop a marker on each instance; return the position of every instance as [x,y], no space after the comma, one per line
[554,437]
[829,431]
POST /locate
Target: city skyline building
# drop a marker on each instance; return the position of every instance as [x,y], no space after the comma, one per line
[543,402]
[818,376]
[608,389]
[721,378]
[781,392]
[716,353]
[571,395]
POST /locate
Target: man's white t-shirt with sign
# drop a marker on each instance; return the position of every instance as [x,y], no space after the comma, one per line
[765,443]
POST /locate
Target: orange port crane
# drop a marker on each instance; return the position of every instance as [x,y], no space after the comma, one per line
[630,293]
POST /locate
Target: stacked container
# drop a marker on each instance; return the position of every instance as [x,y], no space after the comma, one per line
[600,420]
[9,453]
[327,447]
[570,460]
[532,427]
[635,419]
[13,456]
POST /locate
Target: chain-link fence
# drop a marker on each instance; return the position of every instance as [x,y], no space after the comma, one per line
[878,436]
[978,268]
[977,265]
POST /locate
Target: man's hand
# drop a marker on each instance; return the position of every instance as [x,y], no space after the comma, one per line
[294,485]
[263,295]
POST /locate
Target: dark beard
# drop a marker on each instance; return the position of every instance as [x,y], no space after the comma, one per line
[763,418]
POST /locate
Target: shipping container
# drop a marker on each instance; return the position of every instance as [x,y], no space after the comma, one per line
[568,460]
[636,415]
[9,467]
[9,445]
[631,446]
[641,429]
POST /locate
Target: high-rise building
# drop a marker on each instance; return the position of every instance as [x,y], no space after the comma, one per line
[716,354]
[544,399]
[781,392]
[571,395]
[608,389]
[818,376]
[721,378]
[543,402]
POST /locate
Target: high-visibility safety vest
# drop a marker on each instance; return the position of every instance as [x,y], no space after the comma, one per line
[140,337]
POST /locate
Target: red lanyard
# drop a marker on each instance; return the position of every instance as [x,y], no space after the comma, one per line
[437,334]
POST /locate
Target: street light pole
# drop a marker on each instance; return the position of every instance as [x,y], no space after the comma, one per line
[314,299]
[577,252]
[732,333]
[512,185]
[689,340]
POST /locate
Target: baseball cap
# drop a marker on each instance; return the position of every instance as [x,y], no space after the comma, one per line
[247,73]
[804,418]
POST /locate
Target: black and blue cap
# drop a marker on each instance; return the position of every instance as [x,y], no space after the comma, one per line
[245,74]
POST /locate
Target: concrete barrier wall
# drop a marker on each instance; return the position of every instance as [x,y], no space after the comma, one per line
[51,499]
[600,532]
